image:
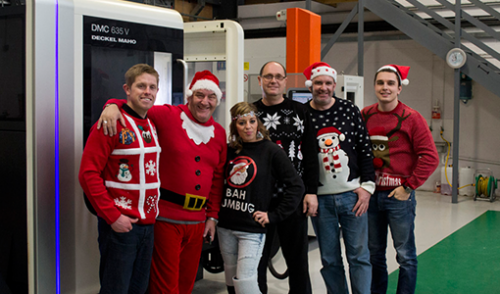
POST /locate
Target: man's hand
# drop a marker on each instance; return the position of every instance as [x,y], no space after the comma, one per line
[363,201]
[400,194]
[310,204]
[209,233]
[261,218]
[108,119]
[123,224]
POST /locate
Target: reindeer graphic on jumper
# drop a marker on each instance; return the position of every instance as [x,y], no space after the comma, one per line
[380,139]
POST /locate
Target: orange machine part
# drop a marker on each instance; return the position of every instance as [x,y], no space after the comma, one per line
[303,39]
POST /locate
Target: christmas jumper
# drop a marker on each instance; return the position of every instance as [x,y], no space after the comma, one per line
[249,186]
[343,149]
[404,148]
[119,174]
[192,161]
[289,127]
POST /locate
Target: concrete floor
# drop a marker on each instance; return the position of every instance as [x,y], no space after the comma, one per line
[436,219]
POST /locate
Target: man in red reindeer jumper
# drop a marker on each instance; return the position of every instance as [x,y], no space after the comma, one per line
[191,168]
[405,157]
[120,178]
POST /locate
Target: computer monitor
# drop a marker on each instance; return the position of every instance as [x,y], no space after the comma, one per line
[302,95]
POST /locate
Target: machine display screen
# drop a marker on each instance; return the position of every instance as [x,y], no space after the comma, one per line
[111,47]
[302,95]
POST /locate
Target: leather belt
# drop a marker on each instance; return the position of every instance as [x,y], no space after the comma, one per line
[188,201]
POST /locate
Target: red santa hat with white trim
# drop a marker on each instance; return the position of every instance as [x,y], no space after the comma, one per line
[400,70]
[378,133]
[326,132]
[205,80]
[319,69]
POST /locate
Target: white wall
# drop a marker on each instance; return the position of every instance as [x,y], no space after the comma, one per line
[431,80]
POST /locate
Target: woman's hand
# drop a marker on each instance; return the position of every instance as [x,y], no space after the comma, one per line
[261,218]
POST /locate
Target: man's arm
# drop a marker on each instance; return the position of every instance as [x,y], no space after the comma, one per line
[94,159]
[311,167]
[111,115]
[215,196]
[424,147]
[365,166]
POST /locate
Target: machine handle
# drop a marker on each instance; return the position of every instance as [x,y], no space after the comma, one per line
[184,64]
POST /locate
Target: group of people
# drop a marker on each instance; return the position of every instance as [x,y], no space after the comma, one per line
[352,171]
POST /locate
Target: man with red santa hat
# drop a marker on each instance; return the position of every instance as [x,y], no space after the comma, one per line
[407,157]
[191,174]
[346,181]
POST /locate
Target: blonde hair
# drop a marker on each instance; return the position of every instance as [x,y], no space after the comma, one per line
[241,109]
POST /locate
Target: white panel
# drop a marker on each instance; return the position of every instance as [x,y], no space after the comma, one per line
[163,65]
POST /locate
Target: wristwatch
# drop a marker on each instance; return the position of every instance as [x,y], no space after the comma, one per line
[407,189]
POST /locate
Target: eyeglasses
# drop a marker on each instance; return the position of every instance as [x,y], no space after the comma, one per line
[270,77]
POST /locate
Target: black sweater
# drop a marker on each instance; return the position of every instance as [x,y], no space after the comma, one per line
[290,127]
[249,185]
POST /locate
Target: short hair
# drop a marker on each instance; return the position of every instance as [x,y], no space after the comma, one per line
[139,69]
[242,108]
[262,68]
[387,70]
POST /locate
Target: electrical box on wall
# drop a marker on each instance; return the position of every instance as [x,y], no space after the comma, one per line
[465,88]
[350,88]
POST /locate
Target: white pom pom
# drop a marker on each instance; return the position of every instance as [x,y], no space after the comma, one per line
[406,82]
[342,137]
[189,93]
[309,83]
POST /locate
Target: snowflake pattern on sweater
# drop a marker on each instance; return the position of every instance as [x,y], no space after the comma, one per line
[289,126]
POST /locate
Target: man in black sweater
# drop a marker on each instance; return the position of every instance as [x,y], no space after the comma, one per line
[289,126]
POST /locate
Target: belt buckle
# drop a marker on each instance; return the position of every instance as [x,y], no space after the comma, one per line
[195,206]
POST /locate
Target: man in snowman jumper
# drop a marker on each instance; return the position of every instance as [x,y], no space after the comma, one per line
[191,168]
[405,156]
[120,178]
[346,181]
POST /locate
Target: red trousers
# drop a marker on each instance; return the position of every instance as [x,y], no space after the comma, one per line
[176,256]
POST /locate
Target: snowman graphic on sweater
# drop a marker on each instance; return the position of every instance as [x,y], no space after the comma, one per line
[124,174]
[334,163]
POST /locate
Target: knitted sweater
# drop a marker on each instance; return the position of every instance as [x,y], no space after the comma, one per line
[289,127]
[119,174]
[411,155]
[343,125]
[192,160]
[250,178]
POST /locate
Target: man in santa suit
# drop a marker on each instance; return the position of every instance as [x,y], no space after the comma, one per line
[346,181]
[191,174]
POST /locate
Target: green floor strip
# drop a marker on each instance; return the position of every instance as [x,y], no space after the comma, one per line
[466,262]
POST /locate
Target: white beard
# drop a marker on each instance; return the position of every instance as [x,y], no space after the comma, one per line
[196,132]
[239,174]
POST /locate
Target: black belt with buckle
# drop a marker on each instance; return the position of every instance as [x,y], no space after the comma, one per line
[188,201]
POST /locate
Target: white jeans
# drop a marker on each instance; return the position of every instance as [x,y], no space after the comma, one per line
[241,252]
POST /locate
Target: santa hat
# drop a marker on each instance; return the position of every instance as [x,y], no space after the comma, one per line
[378,133]
[328,131]
[400,70]
[319,69]
[205,80]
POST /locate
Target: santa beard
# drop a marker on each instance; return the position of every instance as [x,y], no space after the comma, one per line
[239,174]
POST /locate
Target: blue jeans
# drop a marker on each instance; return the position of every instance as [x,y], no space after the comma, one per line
[334,211]
[241,252]
[399,216]
[125,258]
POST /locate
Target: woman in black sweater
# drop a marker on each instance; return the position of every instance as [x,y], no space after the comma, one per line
[254,164]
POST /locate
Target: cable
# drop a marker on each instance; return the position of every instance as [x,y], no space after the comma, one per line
[446,163]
